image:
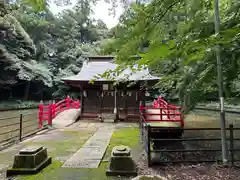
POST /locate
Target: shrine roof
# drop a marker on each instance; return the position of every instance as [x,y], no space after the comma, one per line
[96,65]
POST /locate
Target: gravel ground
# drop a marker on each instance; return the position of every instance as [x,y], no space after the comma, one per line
[204,171]
[188,172]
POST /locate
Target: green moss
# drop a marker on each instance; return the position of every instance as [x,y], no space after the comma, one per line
[70,142]
[55,172]
[41,175]
[126,136]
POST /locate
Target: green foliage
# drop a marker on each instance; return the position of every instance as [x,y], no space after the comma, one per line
[62,88]
[176,39]
[17,53]
[18,104]
[37,5]
[42,48]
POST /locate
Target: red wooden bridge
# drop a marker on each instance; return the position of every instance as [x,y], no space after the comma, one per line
[165,118]
[162,111]
[160,114]
[50,112]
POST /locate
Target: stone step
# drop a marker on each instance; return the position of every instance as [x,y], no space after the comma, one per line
[108,120]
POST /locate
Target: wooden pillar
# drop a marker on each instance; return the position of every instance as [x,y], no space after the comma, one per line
[100,115]
[115,103]
[101,101]
[137,97]
[136,111]
[144,97]
[125,106]
[126,101]
[81,101]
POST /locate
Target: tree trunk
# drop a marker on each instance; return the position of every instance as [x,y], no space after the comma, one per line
[26,91]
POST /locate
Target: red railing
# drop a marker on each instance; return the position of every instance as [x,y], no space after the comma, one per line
[50,111]
[162,111]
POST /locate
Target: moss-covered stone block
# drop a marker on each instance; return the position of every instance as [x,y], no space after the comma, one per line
[121,162]
[121,151]
[29,161]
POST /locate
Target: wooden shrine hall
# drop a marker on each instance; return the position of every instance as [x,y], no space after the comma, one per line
[104,100]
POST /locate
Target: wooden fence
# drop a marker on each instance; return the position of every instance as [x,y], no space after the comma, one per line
[15,128]
[167,145]
[183,152]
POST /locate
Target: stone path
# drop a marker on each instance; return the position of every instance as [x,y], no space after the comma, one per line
[92,152]
[62,143]
[66,118]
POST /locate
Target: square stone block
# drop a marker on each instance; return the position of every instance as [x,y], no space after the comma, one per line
[31,150]
[121,151]
[29,160]
[121,163]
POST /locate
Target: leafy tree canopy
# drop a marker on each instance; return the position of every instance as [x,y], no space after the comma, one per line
[176,39]
[38,48]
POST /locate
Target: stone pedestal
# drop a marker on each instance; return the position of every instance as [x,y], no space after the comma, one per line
[121,163]
[30,160]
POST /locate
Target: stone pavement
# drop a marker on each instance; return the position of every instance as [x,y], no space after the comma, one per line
[83,124]
[92,152]
[63,143]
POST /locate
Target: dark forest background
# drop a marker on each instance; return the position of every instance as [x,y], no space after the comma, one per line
[175,39]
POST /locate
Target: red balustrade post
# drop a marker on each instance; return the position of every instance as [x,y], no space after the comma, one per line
[53,109]
[77,104]
[155,103]
[68,99]
[74,104]
[40,114]
[161,113]
[50,114]
[168,109]
[60,107]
